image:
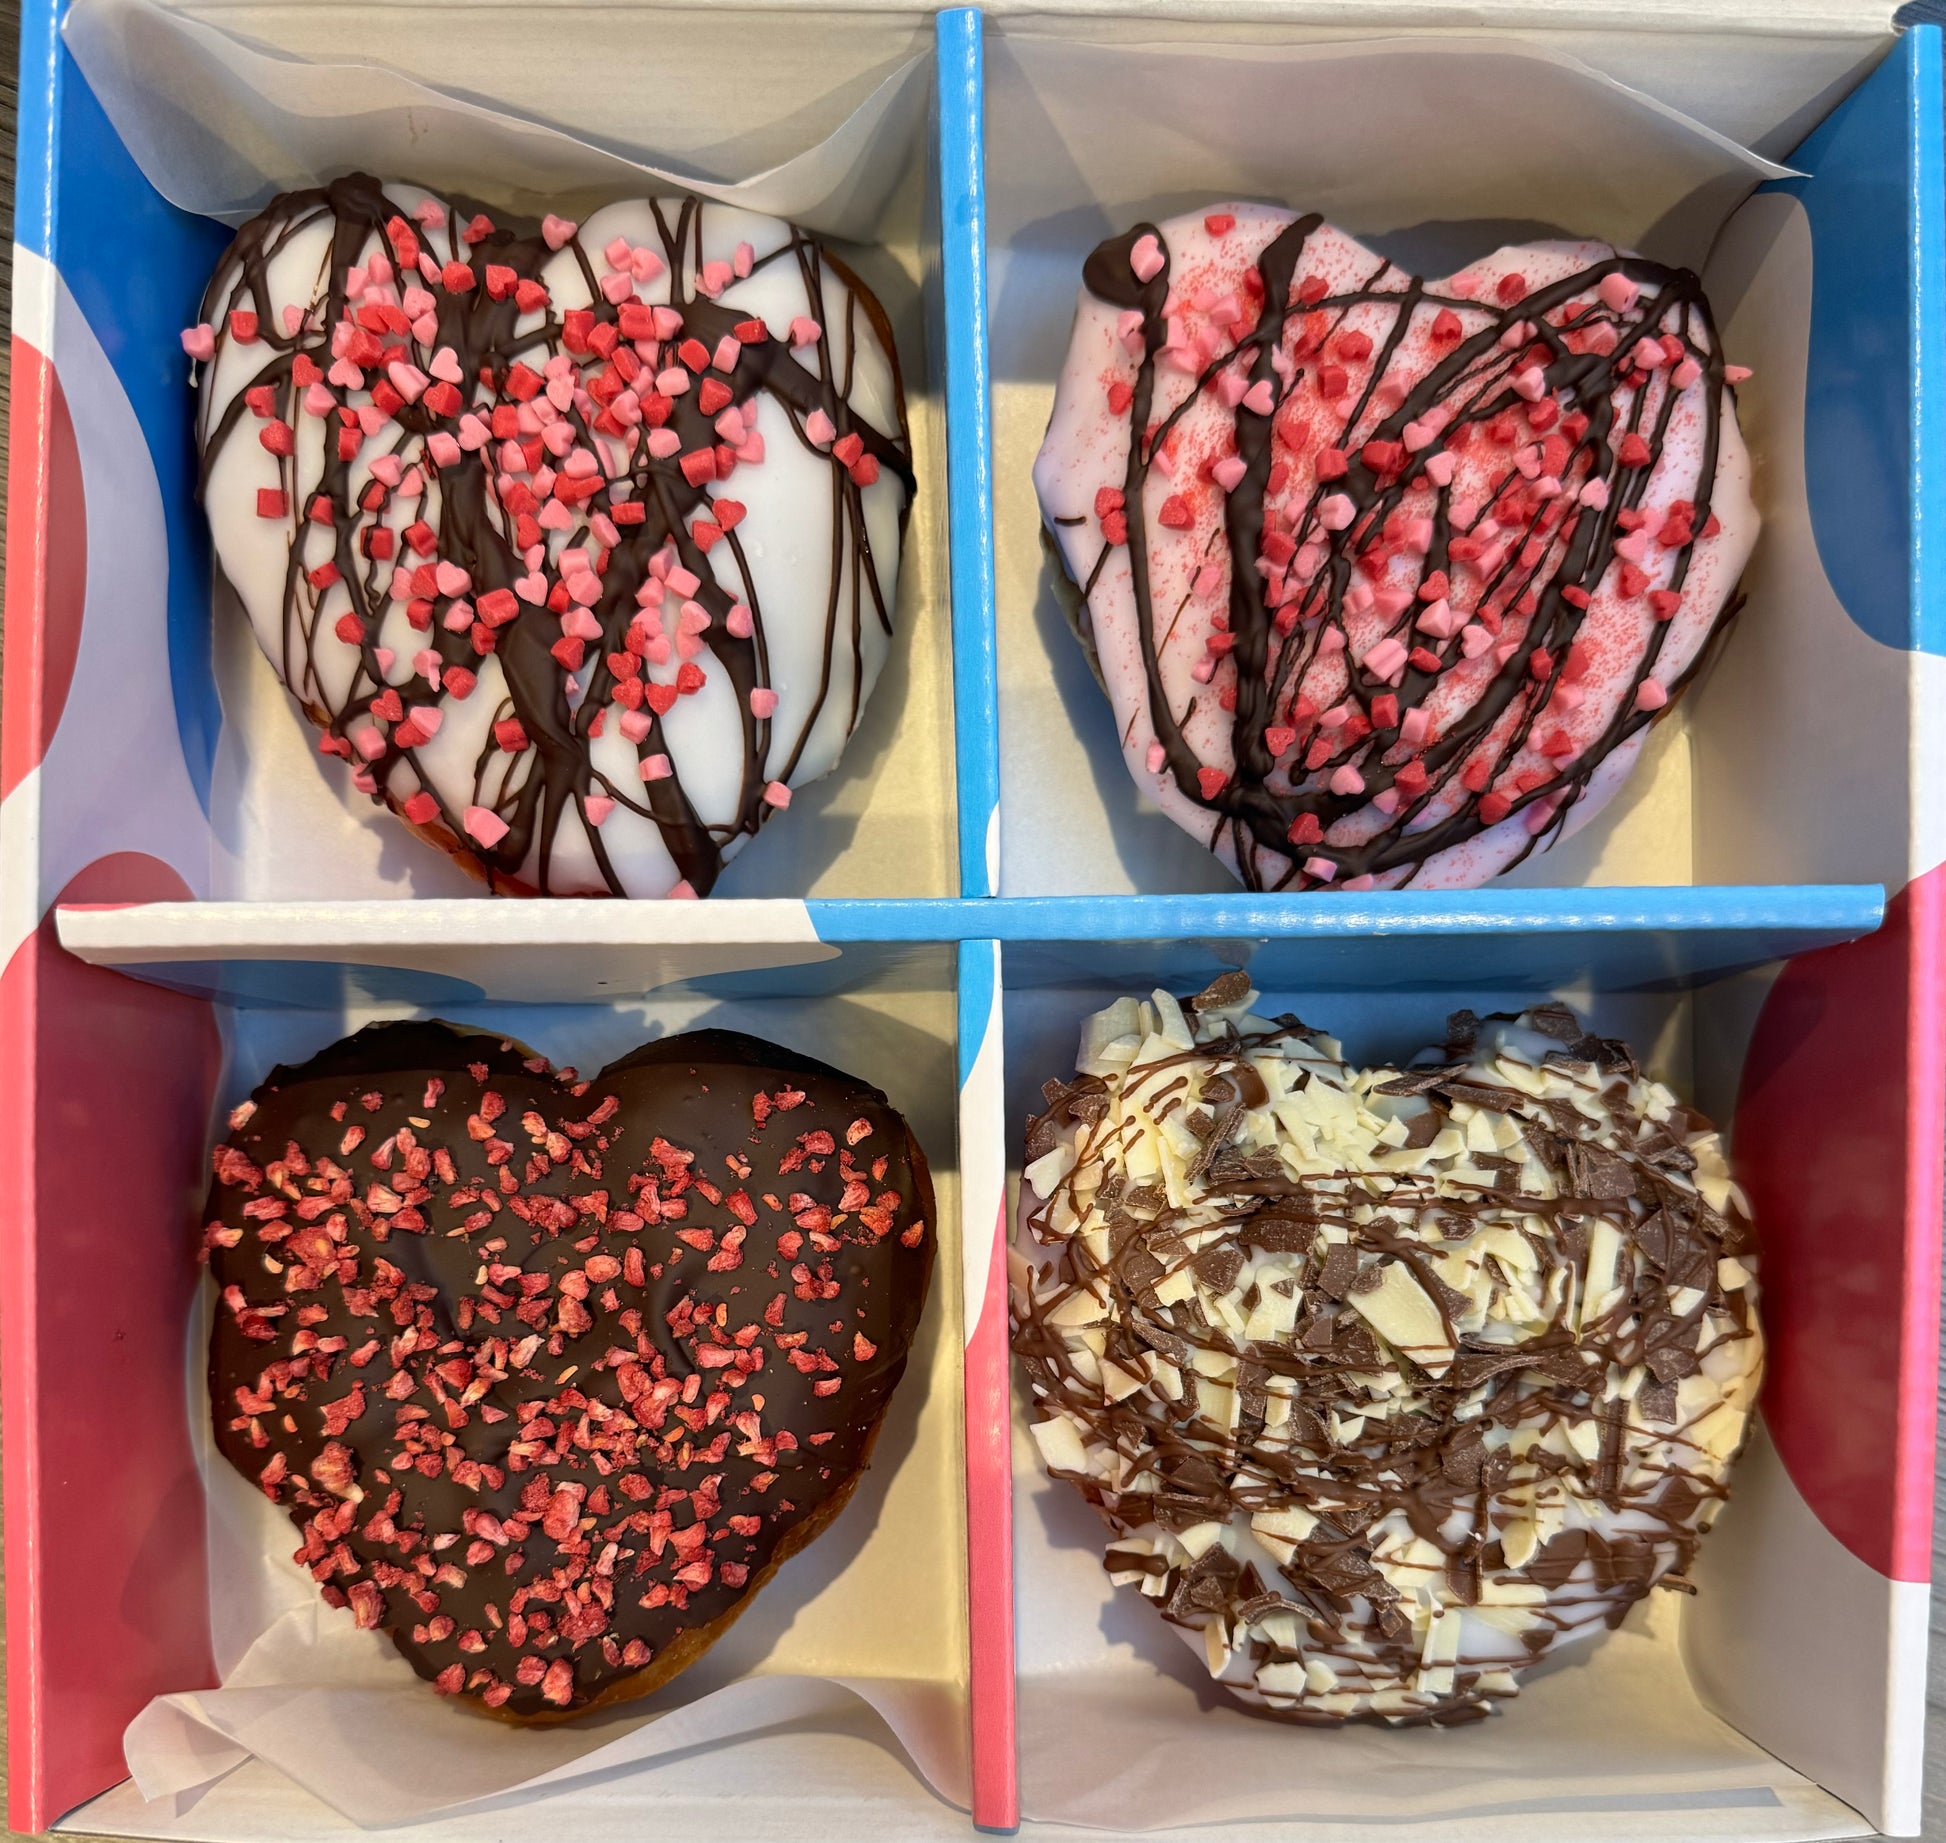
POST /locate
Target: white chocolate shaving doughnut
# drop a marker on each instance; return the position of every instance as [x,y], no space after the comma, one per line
[1387,1383]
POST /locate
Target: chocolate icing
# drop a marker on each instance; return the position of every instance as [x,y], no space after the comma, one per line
[1474,382]
[1428,1467]
[476,531]
[499,1357]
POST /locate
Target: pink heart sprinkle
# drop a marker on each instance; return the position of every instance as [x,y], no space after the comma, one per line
[445,364]
[554,516]
[636,724]
[371,418]
[579,624]
[664,442]
[429,717]
[555,232]
[199,341]
[1258,399]
[763,702]
[819,430]
[805,331]
[485,826]
[1650,695]
[743,260]
[1618,292]
[645,265]
[319,401]
[442,449]
[778,795]
[457,619]
[408,380]
[1228,472]
[596,807]
[715,277]
[1336,511]
[531,589]
[451,578]
[384,655]
[737,623]
[1439,468]
[1474,639]
[346,375]
[425,327]
[1146,258]
[473,433]
[656,768]
[558,437]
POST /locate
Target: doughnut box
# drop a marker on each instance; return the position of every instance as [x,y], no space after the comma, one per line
[193,895]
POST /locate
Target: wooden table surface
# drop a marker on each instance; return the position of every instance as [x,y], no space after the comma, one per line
[1935,1829]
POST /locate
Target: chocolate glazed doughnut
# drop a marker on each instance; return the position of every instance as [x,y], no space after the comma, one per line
[552,1375]
[467,473]
[1386,578]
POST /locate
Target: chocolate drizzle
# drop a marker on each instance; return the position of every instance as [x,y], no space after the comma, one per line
[1275,810]
[495,527]
[1497,1412]
[551,1374]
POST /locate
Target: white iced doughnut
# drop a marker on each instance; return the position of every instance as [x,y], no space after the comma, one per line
[579,542]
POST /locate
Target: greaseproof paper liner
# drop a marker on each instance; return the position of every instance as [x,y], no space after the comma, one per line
[1433,150]
[871,1613]
[219,122]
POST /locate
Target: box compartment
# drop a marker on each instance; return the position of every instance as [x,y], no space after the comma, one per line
[1095,124]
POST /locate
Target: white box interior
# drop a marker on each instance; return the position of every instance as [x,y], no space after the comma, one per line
[1617,1739]
[1092,125]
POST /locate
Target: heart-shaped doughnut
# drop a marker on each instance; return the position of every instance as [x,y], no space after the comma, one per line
[580,543]
[552,1374]
[1387,1382]
[1386,579]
